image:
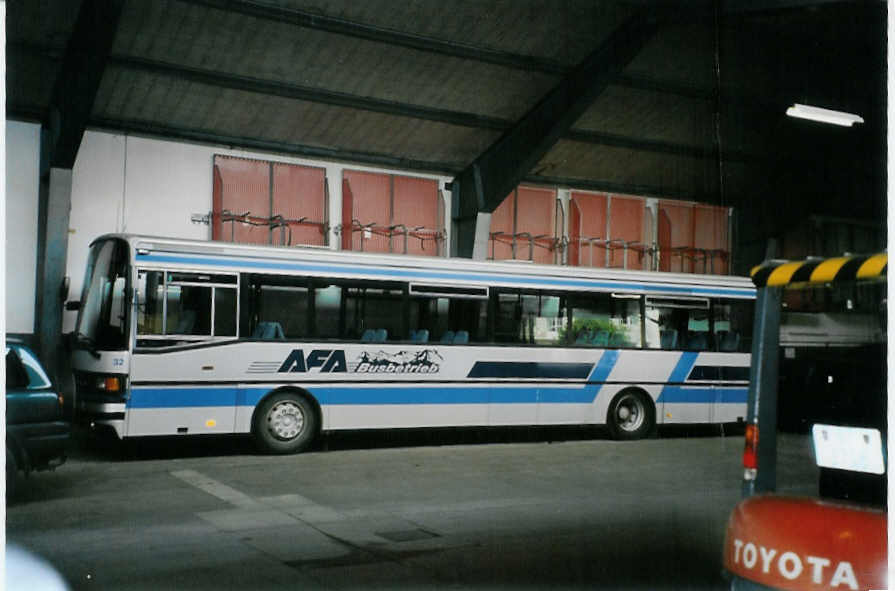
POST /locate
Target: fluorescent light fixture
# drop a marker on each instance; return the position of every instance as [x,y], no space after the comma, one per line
[824,115]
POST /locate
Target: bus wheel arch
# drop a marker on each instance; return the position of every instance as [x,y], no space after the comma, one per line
[285,421]
[631,414]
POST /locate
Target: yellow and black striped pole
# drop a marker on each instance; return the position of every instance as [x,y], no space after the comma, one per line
[834,270]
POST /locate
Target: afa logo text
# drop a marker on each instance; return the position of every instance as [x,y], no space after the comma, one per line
[328,360]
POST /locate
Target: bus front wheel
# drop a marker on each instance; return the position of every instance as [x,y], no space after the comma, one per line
[285,423]
[631,415]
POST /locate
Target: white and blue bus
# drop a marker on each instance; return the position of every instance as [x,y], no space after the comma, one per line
[195,337]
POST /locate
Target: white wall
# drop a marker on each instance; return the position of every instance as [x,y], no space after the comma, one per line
[148,186]
[22,197]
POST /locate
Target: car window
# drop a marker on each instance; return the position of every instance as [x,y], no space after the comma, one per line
[23,370]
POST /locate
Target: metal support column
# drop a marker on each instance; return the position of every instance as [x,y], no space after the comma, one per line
[55,189]
[763,378]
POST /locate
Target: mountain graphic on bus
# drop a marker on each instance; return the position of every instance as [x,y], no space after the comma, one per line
[425,361]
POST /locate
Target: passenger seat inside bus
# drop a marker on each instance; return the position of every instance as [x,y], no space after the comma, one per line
[728,340]
[268,331]
[374,335]
[668,339]
[419,336]
[697,340]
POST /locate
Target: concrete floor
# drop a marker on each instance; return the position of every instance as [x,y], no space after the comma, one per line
[479,510]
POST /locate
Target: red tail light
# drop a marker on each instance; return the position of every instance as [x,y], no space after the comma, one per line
[750,452]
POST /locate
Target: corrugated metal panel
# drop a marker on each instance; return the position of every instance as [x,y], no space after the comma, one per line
[299,194]
[371,209]
[664,173]
[391,213]
[683,54]
[245,189]
[522,226]
[711,234]
[591,230]
[29,80]
[676,236]
[205,38]
[651,115]
[50,21]
[524,26]
[626,232]
[535,215]
[416,208]
[143,97]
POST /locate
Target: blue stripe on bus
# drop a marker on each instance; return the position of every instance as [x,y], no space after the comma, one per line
[604,366]
[181,397]
[691,395]
[330,268]
[530,370]
[145,398]
[683,368]
[352,396]
[732,395]
[204,397]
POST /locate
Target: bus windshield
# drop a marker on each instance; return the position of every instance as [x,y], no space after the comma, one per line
[104,318]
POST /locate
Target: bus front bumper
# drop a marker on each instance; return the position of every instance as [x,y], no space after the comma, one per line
[102,414]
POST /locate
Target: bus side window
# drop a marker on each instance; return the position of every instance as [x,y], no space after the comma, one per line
[678,324]
[225,311]
[178,304]
[278,308]
[369,311]
[327,311]
[150,302]
[604,320]
[530,318]
[189,310]
[448,320]
[732,325]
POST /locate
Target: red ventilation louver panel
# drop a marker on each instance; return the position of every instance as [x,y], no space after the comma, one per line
[390,213]
[261,202]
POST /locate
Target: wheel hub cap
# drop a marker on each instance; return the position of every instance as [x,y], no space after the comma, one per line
[630,413]
[285,420]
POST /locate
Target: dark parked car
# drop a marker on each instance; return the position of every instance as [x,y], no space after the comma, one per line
[36,435]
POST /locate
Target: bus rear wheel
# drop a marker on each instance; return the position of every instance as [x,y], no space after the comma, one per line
[285,423]
[631,415]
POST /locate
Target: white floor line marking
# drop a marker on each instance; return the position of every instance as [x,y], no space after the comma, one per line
[218,489]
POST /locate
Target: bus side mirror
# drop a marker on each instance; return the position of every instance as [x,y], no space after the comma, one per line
[73,305]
